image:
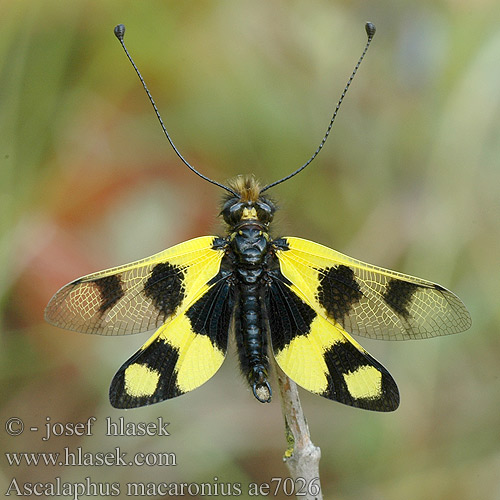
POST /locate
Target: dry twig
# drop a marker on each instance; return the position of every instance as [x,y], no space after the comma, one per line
[302,456]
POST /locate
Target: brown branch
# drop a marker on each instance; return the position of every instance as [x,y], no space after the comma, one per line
[302,456]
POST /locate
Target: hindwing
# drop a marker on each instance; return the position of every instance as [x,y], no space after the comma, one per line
[182,355]
[321,356]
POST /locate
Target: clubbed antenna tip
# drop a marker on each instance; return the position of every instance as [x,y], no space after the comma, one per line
[369,27]
[120,31]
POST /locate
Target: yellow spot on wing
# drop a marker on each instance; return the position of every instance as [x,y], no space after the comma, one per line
[304,362]
[365,382]
[198,359]
[303,359]
[140,380]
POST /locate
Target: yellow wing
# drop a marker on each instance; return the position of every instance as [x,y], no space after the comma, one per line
[367,300]
[183,290]
[318,295]
[140,296]
[321,357]
[182,355]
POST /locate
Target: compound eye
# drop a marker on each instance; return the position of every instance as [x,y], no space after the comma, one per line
[236,211]
[265,211]
[232,211]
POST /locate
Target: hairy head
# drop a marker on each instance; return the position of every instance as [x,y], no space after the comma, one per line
[248,205]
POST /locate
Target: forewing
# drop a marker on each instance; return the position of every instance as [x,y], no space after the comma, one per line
[367,300]
[139,296]
[182,355]
[321,357]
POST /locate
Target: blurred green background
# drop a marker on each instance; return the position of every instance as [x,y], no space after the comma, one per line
[408,180]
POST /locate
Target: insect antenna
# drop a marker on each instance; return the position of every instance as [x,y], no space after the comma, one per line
[370,31]
[120,33]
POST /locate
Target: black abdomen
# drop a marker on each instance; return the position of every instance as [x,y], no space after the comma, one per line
[252,340]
